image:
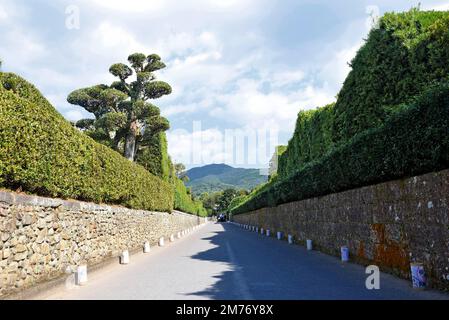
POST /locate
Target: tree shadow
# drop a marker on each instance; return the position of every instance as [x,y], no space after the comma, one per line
[262,268]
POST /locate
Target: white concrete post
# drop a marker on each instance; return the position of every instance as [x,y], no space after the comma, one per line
[290,239]
[179,235]
[146,247]
[172,238]
[161,242]
[124,257]
[419,280]
[279,235]
[268,233]
[344,254]
[262,231]
[309,245]
[81,275]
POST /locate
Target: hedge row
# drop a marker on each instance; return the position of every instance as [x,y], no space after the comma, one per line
[412,142]
[184,202]
[155,157]
[41,153]
[311,140]
[401,58]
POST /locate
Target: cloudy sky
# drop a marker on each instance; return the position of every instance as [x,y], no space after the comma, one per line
[237,67]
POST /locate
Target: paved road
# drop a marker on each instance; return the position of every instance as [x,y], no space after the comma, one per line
[222,261]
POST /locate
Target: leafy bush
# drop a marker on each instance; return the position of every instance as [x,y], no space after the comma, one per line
[400,60]
[184,201]
[411,142]
[155,157]
[311,140]
[41,153]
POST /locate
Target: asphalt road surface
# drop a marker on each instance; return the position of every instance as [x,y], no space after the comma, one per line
[223,261]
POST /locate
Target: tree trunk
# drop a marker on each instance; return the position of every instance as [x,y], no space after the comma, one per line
[130,146]
[130,142]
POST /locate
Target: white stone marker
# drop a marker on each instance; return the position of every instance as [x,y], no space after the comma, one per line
[257,229]
[262,231]
[268,233]
[344,254]
[309,245]
[172,238]
[146,247]
[419,279]
[161,242]
[81,275]
[290,239]
[124,257]
[279,235]
[179,235]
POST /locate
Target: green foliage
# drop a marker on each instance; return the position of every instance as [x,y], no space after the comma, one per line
[154,157]
[311,140]
[219,177]
[237,201]
[399,60]
[41,153]
[184,201]
[124,120]
[411,142]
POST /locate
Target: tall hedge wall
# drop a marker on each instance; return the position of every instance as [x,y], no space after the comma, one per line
[400,59]
[41,153]
[406,54]
[184,201]
[155,157]
[412,142]
[311,140]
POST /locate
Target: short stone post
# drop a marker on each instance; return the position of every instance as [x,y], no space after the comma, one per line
[279,235]
[290,239]
[161,242]
[309,245]
[146,247]
[124,257]
[172,238]
[419,280]
[268,232]
[344,254]
[81,275]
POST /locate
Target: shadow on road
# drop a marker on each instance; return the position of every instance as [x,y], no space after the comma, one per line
[224,288]
[266,269]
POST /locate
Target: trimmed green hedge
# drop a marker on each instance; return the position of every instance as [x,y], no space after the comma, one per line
[184,202]
[311,140]
[155,157]
[409,52]
[41,153]
[413,141]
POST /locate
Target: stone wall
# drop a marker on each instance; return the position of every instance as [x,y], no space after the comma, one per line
[40,238]
[390,224]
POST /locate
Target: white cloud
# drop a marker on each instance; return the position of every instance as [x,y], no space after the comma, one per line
[73,115]
[131,5]
[436,5]
[3,15]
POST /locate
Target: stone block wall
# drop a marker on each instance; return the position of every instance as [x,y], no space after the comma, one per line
[40,237]
[389,225]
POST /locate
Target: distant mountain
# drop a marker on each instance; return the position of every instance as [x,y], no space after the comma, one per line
[218,177]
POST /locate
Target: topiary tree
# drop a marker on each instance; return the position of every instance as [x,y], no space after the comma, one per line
[124,119]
